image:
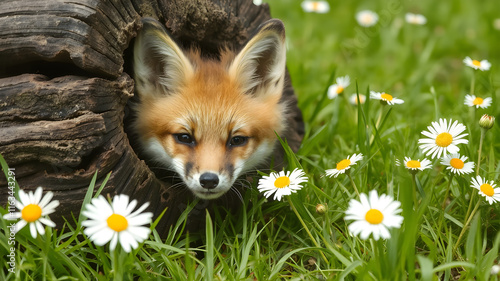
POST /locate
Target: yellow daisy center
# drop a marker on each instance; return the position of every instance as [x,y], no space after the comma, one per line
[413,164]
[340,89]
[374,216]
[117,222]
[476,62]
[444,139]
[361,99]
[343,164]
[457,163]
[31,213]
[487,189]
[315,6]
[386,96]
[282,182]
[367,19]
[477,101]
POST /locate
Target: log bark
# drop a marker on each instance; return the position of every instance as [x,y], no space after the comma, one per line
[65,84]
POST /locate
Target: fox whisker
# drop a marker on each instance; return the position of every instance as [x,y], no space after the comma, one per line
[244,183]
[237,192]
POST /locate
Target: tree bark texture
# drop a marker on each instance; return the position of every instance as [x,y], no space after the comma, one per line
[65,83]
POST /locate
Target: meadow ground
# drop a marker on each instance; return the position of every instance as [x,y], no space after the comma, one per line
[449,230]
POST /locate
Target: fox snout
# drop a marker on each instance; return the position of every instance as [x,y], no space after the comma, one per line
[209,185]
[209,180]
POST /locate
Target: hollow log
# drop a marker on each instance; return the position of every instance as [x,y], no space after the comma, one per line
[65,83]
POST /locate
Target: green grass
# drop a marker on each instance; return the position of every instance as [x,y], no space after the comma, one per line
[269,240]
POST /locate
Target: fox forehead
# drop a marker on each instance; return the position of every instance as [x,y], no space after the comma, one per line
[211,105]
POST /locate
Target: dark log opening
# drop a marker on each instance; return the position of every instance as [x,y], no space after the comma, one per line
[49,69]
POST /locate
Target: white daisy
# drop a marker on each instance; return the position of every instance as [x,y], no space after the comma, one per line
[320,7]
[443,138]
[416,19]
[374,215]
[414,165]
[367,18]
[33,209]
[257,2]
[488,190]
[344,165]
[281,183]
[354,99]
[481,65]
[457,164]
[336,89]
[472,100]
[385,98]
[116,223]
[495,269]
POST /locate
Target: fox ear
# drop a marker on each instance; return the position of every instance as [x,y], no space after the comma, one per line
[260,66]
[160,66]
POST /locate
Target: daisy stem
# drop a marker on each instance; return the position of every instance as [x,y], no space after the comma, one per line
[116,265]
[470,204]
[447,193]
[353,184]
[469,218]
[374,248]
[414,187]
[377,123]
[483,132]
[306,228]
[472,82]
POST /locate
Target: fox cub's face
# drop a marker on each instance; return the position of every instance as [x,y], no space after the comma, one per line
[209,120]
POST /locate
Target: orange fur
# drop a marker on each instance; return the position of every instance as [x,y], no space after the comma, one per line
[212,106]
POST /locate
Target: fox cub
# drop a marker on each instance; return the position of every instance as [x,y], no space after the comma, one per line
[209,119]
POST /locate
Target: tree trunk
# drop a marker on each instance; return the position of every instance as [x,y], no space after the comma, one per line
[64,87]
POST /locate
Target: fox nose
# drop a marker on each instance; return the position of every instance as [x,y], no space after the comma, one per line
[209,180]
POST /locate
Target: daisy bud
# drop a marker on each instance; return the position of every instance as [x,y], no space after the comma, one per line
[321,209]
[486,122]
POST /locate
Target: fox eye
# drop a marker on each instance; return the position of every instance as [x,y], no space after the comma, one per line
[238,141]
[186,139]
